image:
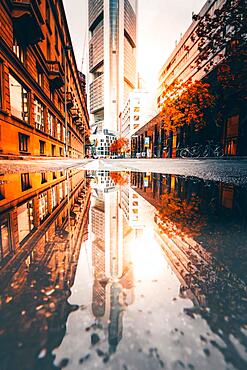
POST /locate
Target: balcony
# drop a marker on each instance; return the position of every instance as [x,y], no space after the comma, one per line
[74,114]
[27,21]
[56,74]
[69,100]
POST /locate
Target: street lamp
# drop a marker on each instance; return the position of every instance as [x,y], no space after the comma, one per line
[66,48]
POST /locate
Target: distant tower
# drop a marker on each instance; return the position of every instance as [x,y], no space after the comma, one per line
[112,59]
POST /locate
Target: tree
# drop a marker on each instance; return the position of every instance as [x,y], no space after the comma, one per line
[225,31]
[181,216]
[120,178]
[186,104]
[119,146]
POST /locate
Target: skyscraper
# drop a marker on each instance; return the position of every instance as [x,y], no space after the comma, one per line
[112,59]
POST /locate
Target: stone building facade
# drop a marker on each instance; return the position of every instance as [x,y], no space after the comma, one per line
[42,103]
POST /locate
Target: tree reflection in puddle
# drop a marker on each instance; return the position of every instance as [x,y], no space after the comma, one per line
[123,271]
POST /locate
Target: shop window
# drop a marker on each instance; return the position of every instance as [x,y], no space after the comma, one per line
[42,147]
[25,218]
[5,239]
[19,103]
[25,182]
[23,142]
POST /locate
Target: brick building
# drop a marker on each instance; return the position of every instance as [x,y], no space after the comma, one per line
[42,103]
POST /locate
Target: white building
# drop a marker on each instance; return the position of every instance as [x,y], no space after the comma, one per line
[101,143]
[136,113]
[112,60]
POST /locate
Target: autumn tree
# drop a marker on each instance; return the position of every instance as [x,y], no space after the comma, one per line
[119,146]
[120,178]
[186,104]
[223,31]
[181,216]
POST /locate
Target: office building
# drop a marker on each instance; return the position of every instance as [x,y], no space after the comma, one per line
[136,112]
[112,60]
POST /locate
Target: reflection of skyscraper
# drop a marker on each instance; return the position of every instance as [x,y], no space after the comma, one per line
[112,58]
[113,275]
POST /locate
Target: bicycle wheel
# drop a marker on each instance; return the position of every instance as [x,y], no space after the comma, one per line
[184,153]
[219,152]
[206,153]
[195,151]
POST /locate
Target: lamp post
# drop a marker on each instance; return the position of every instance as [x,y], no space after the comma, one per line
[66,48]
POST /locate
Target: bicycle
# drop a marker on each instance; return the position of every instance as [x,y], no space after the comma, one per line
[212,150]
[193,151]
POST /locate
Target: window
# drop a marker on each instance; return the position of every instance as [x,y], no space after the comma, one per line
[48,49]
[53,197]
[59,131]
[43,206]
[40,78]
[2,190]
[42,147]
[60,152]
[56,40]
[53,150]
[51,120]
[19,103]
[47,14]
[43,178]
[25,182]
[54,175]
[5,239]
[25,219]
[39,115]
[19,50]
[23,143]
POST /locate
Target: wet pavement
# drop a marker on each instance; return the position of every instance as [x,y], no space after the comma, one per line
[122,270]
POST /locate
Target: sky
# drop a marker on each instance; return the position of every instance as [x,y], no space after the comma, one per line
[160,23]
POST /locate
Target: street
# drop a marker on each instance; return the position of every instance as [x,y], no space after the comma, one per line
[229,171]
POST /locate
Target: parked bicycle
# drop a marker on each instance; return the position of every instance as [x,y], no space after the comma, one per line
[193,151]
[199,151]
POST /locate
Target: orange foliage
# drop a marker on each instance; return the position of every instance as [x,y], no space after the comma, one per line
[186,104]
[119,178]
[119,146]
[180,216]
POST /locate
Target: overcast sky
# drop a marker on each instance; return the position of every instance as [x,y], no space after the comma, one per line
[160,23]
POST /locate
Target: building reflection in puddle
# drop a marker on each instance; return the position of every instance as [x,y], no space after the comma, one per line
[86,261]
[43,226]
[201,227]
